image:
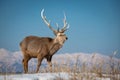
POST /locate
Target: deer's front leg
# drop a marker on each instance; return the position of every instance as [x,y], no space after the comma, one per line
[49,58]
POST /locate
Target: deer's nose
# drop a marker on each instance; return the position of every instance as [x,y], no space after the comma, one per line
[66,38]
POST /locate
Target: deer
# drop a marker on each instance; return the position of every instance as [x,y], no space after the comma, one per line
[43,47]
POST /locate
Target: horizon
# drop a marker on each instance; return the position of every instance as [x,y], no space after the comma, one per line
[94,25]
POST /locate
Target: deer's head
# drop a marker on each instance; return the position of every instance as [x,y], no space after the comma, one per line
[59,33]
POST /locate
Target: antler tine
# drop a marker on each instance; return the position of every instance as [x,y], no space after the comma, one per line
[57,27]
[66,25]
[46,22]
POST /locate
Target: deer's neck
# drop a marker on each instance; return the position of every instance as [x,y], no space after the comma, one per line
[54,47]
[57,40]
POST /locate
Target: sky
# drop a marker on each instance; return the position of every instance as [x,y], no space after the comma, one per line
[94,24]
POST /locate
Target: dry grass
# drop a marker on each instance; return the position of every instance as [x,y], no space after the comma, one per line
[81,71]
[101,69]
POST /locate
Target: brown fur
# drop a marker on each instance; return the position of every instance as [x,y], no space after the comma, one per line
[38,47]
[42,47]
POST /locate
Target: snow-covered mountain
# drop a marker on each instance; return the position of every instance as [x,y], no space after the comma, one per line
[12,61]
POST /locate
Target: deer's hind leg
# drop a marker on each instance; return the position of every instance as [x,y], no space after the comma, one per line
[40,58]
[25,62]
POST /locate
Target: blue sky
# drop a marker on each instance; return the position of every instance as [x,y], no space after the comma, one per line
[94,24]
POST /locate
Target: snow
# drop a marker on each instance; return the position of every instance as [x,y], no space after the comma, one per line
[38,76]
[11,62]
[103,79]
[45,76]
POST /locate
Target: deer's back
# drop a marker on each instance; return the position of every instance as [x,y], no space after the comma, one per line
[34,44]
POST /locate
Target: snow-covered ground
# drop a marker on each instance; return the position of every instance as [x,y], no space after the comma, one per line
[38,76]
[12,61]
[63,67]
[46,76]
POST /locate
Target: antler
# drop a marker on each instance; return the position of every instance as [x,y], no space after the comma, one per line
[46,22]
[66,25]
